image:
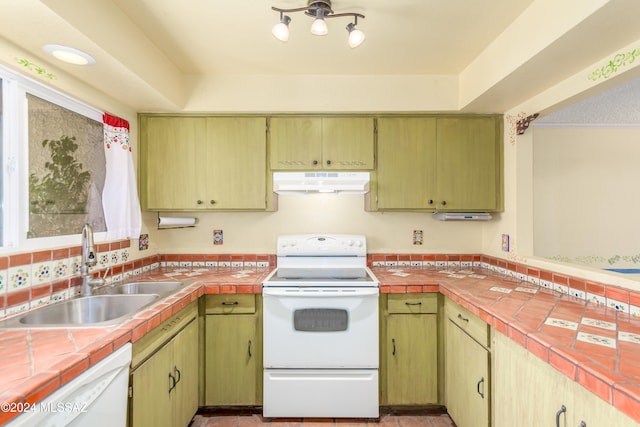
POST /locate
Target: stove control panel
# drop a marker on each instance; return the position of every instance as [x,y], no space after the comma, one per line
[322,245]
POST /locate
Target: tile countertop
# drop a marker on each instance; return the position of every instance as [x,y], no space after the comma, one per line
[594,345]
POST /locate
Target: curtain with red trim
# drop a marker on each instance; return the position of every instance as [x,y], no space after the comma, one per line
[120,195]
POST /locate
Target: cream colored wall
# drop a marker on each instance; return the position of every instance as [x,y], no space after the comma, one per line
[517,219]
[255,232]
[586,196]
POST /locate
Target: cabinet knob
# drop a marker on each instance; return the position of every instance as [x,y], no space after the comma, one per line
[199,201]
[430,201]
[328,162]
[315,162]
[444,203]
[212,202]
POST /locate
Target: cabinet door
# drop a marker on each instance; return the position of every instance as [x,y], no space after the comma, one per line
[151,402]
[232,361]
[467,381]
[406,162]
[295,143]
[185,359]
[170,162]
[412,359]
[347,143]
[234,166]
[468,164]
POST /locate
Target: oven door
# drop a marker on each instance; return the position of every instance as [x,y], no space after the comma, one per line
[320,327]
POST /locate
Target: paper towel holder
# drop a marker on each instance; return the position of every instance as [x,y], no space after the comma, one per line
[170,222]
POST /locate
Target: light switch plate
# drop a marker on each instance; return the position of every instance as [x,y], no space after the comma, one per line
[505,243]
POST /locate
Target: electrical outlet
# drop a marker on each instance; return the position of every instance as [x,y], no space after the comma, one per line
[417,237]
[218,238]
[505,243]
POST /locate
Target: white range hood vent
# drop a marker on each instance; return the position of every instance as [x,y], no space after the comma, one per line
[321,182]
[462,216]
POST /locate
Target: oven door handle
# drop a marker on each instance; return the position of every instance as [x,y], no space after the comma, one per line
[319,293]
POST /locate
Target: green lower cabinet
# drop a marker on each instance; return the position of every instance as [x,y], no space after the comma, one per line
[409,350]
[164,388]
[233,350]
[467,374]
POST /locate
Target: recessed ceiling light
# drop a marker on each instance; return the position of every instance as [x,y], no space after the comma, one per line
[69,55]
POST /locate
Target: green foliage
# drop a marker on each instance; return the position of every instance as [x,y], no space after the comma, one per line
[64,187]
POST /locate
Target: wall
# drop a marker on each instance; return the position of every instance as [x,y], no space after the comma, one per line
[585,195]
[249,232]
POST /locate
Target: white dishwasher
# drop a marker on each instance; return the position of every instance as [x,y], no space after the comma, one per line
[96,398]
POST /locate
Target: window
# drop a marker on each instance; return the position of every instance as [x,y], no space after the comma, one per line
[66,170]
[53,165]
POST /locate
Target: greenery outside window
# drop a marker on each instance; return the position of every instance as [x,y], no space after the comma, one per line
[66,170]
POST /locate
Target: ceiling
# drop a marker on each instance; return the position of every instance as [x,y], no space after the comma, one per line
[149,52]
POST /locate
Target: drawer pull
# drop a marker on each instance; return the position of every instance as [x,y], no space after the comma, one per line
[413,303]
[229,303]
[561,411]
[464,319]
[481,382]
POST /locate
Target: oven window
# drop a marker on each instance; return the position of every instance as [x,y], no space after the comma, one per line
[320,320]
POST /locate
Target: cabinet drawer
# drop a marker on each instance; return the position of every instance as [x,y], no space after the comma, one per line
[412,303]
[468,322]
[231,304]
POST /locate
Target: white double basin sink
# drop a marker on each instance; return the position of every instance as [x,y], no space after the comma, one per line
[108,306]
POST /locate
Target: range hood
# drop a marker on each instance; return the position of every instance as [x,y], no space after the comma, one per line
[321,182]
[462,216]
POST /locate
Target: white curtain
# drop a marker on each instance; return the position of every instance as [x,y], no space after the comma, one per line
[120,196]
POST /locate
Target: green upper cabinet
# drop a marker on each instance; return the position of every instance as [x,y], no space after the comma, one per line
[203,163]
[469,167]
[406,162]
[308,143]
[442,163]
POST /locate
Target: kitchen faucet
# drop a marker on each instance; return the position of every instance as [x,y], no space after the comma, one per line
[88,260]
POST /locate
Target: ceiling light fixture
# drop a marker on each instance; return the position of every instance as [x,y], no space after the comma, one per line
[69,55]
[319,10]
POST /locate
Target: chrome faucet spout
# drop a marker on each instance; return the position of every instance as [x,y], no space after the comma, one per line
[89,259]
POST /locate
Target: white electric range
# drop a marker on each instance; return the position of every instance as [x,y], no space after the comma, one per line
[320,329]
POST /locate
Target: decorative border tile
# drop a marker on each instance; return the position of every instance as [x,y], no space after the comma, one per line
[561,323]
[598,323]
[628,337]
[596,339]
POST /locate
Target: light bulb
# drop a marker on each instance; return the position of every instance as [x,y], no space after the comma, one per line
[281,29]
[319,27]
[356,37]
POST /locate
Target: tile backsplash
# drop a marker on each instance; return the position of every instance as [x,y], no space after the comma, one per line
[28,280]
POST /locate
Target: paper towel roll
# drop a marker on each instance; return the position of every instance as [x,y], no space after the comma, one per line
[175,221]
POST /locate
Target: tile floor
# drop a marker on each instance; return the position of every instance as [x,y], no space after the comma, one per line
[410,419]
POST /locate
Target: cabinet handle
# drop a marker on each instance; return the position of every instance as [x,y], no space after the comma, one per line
[315,162]
[212,202]
[561,411]
[173,382]
[229,303]
[177,371]
[393,343]
[481,382]
[413,303]
[430,201]
[199,201]
[249,349]
[328,162]
[444,203]
[464,319]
